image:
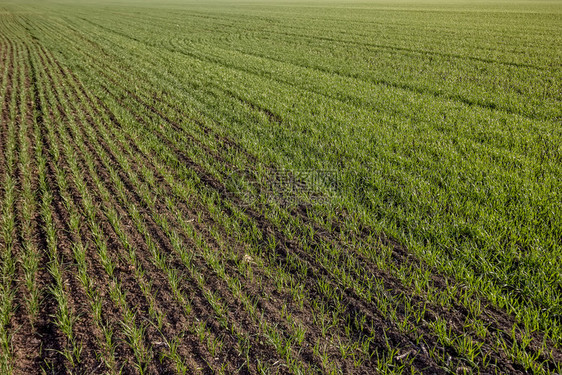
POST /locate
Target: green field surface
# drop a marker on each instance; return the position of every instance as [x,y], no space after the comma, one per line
[263,187]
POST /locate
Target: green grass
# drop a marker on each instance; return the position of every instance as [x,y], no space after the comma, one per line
[440,246]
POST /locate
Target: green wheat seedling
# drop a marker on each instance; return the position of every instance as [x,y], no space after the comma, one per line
[99,239]
[145,287]
[159,260]
[138,144]
[7,234]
